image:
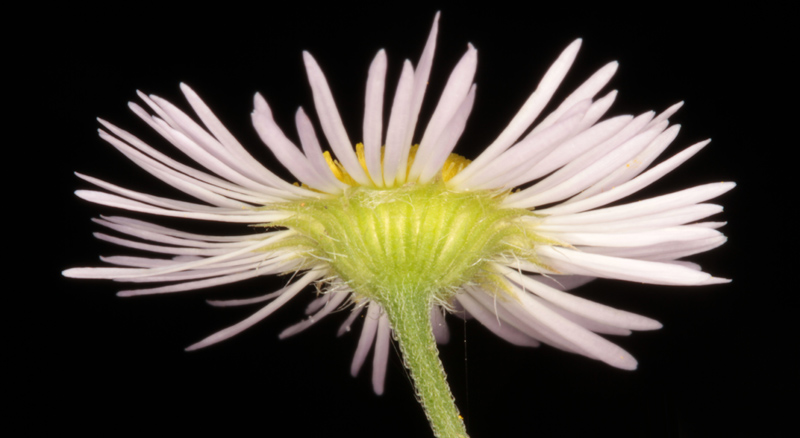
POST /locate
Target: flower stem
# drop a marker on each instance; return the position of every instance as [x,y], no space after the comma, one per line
[411,322]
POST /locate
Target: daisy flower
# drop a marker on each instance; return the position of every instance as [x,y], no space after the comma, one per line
[401,231]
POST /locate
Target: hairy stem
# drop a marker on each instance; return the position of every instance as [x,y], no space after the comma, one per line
[410,318]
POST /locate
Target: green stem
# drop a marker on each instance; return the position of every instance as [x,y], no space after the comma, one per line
[411,322]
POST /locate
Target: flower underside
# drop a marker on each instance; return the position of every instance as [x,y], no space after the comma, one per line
[425,239]
[405,231]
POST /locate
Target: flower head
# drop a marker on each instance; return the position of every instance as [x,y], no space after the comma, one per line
[403,232]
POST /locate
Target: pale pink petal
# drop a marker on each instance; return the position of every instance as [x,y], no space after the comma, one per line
[285,151]
[633,167]
[527,114]
[570,261]
[646,207]
[246,301]
[367,337]
[396,155]
[496,174]
[334,300]
[331,121]
[142,225]
[455,92]
[578,337]
[579,306]
[235,329]
[313,151]
[345,327]
[627,188]
[420,82]
[656,221]
[587,90]
[380,360]
[373,117]
[492,322]
[447,141]
[440,330]
[565,158]
[584,171]
[642,238]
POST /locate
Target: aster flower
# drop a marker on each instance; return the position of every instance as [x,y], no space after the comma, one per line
[402,233]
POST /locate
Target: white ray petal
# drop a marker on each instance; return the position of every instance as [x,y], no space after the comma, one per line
[447,141]
[142,225]
[373,117]
[455,92]
[574,145]
[420,83]
[285,151]
[331,304]
[241,262]
[367,338]
[380,360]
[665,115]
[208,160]
[440,330]
[626,188]
[313,151]
[256,169]
[558,282]
[246,301]
[235,329]
[200,190]
[278,189]
[587,90]
[588,324]
[396,156]
[661,252]
[140,262]
[565,158]
[345,327]
[646,207]
[580,306]
[331,121]
[153,236]
[184,124]
[198,284]
[222,216]
[496,173]
[583,171]
[117,273]
[524,321]
[164,202]
[633,167]
[492,322]
[571,261]
[670,218]
[591,344]
[643,238]
[527,114]
[259,259]
[512,314]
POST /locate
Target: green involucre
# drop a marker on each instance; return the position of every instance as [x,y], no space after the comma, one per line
[422,239]
[407,248]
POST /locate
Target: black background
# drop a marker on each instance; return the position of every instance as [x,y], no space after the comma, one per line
[90,361]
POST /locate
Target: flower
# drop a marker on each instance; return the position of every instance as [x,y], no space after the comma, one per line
[402,233]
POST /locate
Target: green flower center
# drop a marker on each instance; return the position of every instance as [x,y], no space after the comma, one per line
[419,238]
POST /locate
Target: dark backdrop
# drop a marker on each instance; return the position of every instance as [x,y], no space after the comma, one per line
[91,361]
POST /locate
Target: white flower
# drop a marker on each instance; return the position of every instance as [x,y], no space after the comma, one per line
[553,234]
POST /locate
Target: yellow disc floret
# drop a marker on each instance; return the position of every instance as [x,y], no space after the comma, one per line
[452,165]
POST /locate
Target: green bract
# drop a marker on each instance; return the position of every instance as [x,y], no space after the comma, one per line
[420,238]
